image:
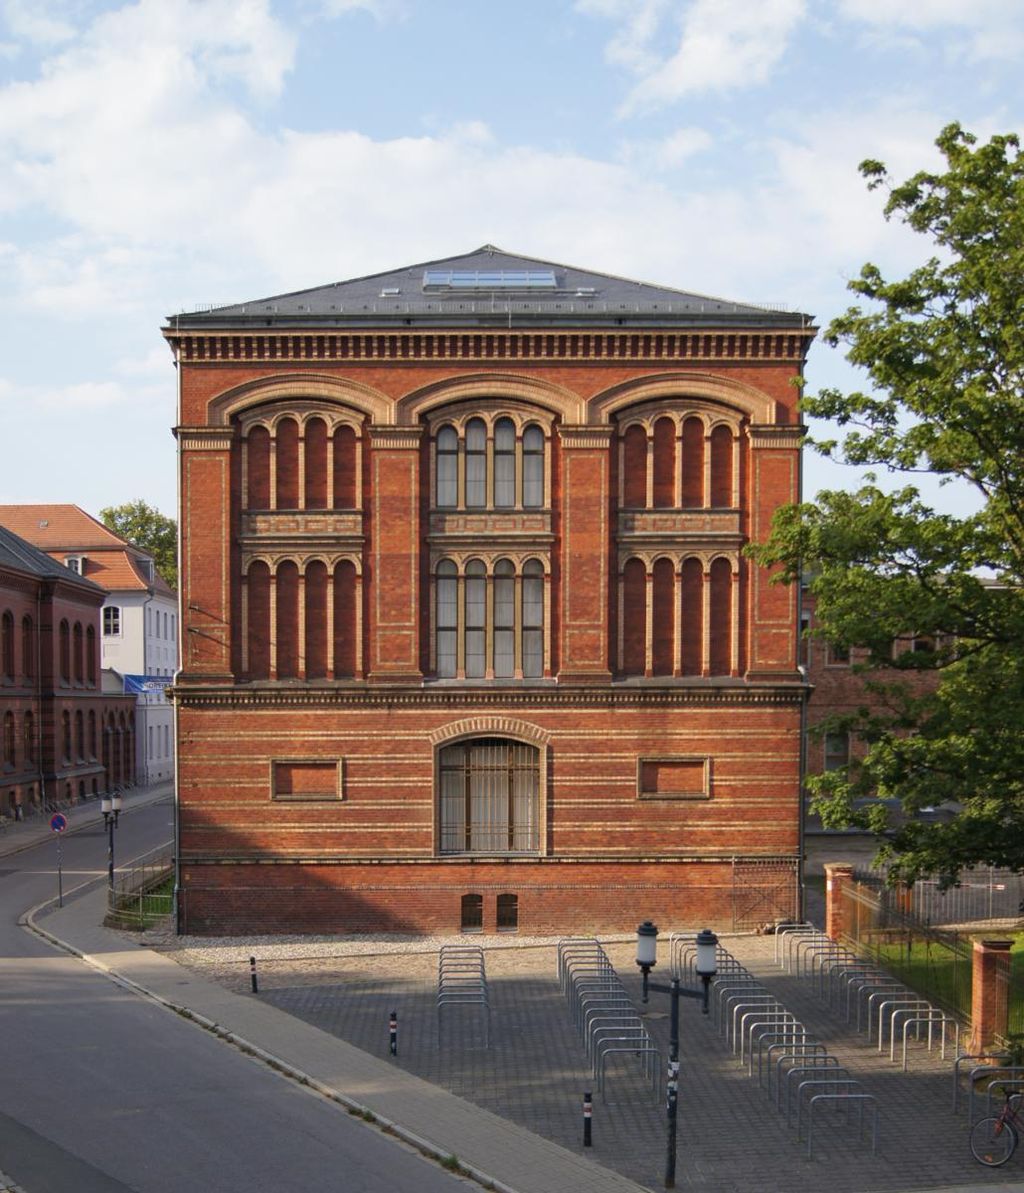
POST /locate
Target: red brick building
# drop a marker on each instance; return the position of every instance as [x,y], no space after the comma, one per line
[469,635]
[64,739]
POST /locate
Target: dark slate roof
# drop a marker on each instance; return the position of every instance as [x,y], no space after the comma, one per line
[550,294]
[20,555]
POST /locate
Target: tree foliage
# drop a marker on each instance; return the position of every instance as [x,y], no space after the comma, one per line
[144,525]
[943,350]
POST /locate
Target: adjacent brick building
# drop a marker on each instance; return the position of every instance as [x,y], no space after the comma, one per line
[469,637]
[63,738]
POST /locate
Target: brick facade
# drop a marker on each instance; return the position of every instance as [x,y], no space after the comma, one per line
[466,612]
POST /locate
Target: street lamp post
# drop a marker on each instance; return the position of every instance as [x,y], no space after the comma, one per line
[110,806]
[647,958]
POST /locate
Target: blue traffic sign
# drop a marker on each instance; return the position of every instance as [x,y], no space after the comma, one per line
[58,822]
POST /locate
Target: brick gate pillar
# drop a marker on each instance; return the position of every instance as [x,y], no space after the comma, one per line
[990,987]
[837,875]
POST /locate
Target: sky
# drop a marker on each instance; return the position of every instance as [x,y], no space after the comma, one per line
[160,155]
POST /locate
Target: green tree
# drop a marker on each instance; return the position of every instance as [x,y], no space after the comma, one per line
[943,350]
[144,525]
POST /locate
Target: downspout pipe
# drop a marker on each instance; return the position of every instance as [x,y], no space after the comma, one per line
[177,670]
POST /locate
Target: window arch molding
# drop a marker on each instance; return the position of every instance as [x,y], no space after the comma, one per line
[298,390]
[512,729]
[507,389]
[701,390]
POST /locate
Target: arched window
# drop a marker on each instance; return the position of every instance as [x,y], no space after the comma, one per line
[7,645]
[79,652]
[447,467]
[634,617]
[259,620]
[447,619]
[476,619]
[315,614]
[471,914]
[92,734]
[9,742]
[257,459]
[504,464]
[90,656]
[79,735]
[533,619]
[693,463]
[345,620]
[720,598]
[504,619]
[507,908]
[663,617]
[65,735]
[315,495]
[533,467]
[476,463]
[345,468]
[691,578]
[664,463]
[287,629]
[634,467]
[29,738]
[721,467]
[287,449]
[488,792]
[65,652]
[28,648]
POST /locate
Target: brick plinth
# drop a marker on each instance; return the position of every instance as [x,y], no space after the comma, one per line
[837,874]
[989,992]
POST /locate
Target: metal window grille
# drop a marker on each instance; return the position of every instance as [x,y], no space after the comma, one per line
[447,467]
[447,619]
[533,467]
[504,619]
[507,913]
[476,463]
[488,797]
[504,464]
[476,619]
[472,913]
[533,619]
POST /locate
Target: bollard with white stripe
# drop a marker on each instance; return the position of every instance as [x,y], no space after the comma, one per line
[588,1112]
[393,1031]
[252,975]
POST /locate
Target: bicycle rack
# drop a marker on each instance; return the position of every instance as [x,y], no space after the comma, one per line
[1014,1073]
[862,1099]
[957,1072]
[462,982]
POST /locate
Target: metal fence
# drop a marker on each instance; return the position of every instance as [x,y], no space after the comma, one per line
[984,893]
[143,890]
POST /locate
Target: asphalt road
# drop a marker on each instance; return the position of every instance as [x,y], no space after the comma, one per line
[102,1091]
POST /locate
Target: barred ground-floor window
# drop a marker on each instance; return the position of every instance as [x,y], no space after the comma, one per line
[488,791]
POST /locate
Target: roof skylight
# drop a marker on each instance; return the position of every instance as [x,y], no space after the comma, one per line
[489,279]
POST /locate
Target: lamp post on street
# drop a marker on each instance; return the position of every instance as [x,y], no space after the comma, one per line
[647,958]
[110,806]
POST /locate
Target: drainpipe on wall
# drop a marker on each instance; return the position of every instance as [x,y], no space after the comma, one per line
[39,697]
[177,670]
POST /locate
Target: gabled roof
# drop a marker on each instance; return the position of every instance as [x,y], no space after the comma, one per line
[22,556]
[488,286]
[61,530]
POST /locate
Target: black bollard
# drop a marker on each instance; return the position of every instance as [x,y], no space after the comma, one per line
[588,1111]
[252,975]
[393,1030]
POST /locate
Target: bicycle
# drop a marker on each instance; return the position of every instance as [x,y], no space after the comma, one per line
[994,1139]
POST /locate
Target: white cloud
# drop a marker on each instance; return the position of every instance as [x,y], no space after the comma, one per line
[381,9]
[722,45]
[992,29]
[39,22]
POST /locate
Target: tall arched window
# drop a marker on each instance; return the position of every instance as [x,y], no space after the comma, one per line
[504,464]
[258,469]
[663,617]
[533,619]
[9,741]
[691,630]
[345,620]
[504,619]
[476,619]
[315,494]
[29,738]
[65,735]
[345,468]
[79,652]
[721,467]
[720,598]
[65,652]
[488,792]
[7,645]
[287,629]
[259,620]
[90,656]
[693,463]
[634,467]
[634,618]
[447,632]
[92,733]
[79,735]
[533,467]
[476,463]
[447,467]
[286,439]
[664,463]
[28,648]
[316,620]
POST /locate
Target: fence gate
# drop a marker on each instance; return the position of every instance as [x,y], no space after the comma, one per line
[764,892]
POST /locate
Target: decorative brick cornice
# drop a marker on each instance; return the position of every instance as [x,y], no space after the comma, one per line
[414,698]
[776,436]
[592,347]
[407,438]
[585,437]
[712,857]
[204,439]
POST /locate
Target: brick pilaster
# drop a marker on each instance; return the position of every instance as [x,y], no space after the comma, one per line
[837,875]
[989,992]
